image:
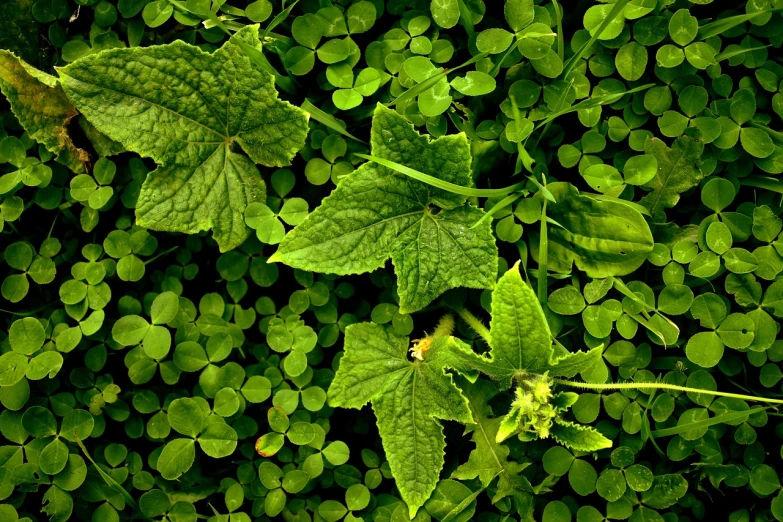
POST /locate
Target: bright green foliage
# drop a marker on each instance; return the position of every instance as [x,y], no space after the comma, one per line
[185,109]
[603,238]
[520,340]
[408,398]
[623,155]
[375,213]
[677,173]
[490,458]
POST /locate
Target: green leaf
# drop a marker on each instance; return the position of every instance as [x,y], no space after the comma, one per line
[666,490]
[631,61]
[408,398]
[57,504]
[488,458]
[26,335]
[578,437]
[375,213]
[53,457]
[43,109]
[452,500]
[130,330]
[188,111]
[614,241]
[218,440]
[176,458]
[677,172]
[445,12]
[519,13]
[519,338]
[186,416]
[475,83]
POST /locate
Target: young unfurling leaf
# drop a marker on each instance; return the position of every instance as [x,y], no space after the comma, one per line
[520,340]
[579,437]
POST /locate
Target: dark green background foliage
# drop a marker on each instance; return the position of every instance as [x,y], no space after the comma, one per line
[635,149]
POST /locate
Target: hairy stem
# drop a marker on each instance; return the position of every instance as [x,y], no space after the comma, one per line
[475,323]
[661,386]
[445,326]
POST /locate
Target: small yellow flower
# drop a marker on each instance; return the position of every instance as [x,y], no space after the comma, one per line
[420,347]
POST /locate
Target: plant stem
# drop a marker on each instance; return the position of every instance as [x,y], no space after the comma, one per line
[170,250]
[543,259]
[445,326]
[661,386]
[475,323]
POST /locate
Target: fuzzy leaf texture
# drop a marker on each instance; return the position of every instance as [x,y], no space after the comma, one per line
[677,172]
[603,238]
[43,109]
[187,110]
[579,437]
[520,338]
[408,398]
[376,213]
[489,459]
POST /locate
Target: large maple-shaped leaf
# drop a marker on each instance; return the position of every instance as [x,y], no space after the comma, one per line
[677,172]
[42,108]
[408,397]
[190,111]
[520,340]
[376,213]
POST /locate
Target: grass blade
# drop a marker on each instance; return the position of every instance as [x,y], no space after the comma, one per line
[429,82]
[465,17]
[763,182]
[543,259]
[560,40]
[106,477]
[441,184]
[593,102]
[616,11]
[327,119]
[731,54]
[719,419]
[724,24]
[503,203]
[277,20]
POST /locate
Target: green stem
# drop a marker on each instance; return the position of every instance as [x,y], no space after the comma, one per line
[327,119]
[503,203]
[475,323]
[445,326]
[662,386]
[543,259]
[170,250]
